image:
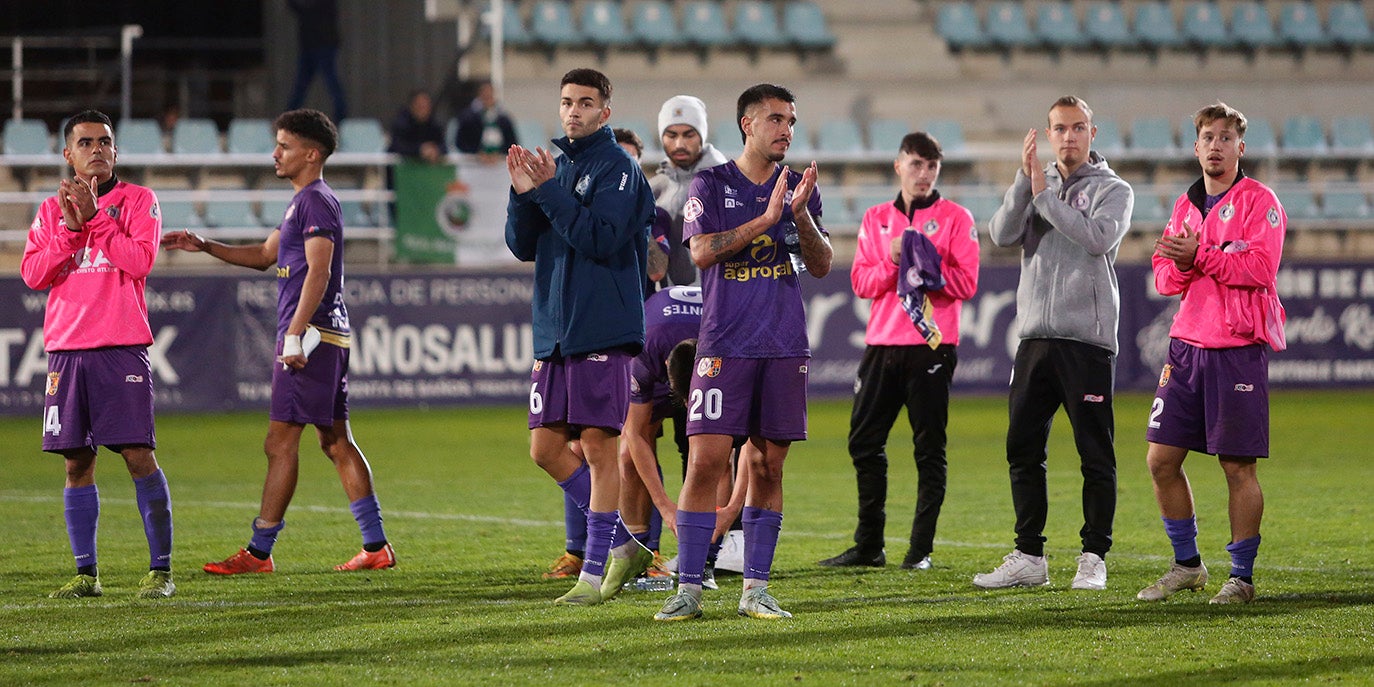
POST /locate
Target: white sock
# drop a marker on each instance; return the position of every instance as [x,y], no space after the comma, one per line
[593,580]
[692,590]
[751,583]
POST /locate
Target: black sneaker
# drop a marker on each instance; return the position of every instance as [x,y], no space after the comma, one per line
[914,562]
[853,558]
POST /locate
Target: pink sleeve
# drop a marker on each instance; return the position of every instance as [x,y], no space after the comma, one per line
[49,248]
[132,250]
[960,266]
[1169,280]
[1256,263]
[873,272]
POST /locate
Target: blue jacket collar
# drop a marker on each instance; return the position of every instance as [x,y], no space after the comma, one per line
[572,148]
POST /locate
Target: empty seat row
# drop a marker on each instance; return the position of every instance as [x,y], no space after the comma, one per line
[192,136]
[1300,135]
[655,24]
[185,214]
[1155,26]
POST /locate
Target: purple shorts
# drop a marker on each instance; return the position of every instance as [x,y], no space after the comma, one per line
[98,397]
[584,390]
[749,397]
[316,394]
[1213,400]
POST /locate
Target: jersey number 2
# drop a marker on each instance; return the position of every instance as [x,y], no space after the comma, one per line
[709,404]
[1156,409]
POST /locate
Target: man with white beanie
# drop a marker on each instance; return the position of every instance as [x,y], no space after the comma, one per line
[682,128]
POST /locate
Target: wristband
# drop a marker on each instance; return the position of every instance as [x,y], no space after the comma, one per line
[291,346]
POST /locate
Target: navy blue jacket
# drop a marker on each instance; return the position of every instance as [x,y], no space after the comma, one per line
[586,230]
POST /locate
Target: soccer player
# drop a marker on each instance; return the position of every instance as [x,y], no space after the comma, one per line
[582,219]
[1220,253]
[310,381]
[906,365]
[750,225]
[92,246]
[1069,219]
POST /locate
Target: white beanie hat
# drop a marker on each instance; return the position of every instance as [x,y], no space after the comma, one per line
[683,109]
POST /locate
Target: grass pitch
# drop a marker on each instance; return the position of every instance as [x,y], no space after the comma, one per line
[474,522]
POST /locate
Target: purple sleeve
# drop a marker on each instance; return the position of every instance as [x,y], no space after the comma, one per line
[319,217]
[698,213]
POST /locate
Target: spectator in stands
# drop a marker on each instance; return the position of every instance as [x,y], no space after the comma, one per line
[317,32]
[1068,218]
[91,246]
[917,259]
[485,128]
[682,128]
[1220,252]
[414,133]
[171,114]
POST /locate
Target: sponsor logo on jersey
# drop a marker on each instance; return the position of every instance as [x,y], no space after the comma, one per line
[973,231]
[1273,217]
[1245,387]
[708,367]
[1227,212]
[801,369]
[54,378]
[634,385]
[624,179]
[290,210]
[133,379]
[1093,398]
[37,222]
[154,211]
[1164,375]
[730,190]
[930,227]
[731,203]
[112,211]
[1080,201]
[692,209]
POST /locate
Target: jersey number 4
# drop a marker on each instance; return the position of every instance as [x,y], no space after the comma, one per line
[52,424]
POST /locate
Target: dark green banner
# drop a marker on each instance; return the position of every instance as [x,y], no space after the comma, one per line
[420,191]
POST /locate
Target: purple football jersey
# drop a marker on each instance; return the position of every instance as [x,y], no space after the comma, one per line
[752,301]
[313,212]
[670,317]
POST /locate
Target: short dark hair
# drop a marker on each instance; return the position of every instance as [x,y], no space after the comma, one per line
[681,360]
[630,137]
[1073,101]
[590,78]
[311,125]
[1219,110]
[755,95]
[85,117]
[922,145]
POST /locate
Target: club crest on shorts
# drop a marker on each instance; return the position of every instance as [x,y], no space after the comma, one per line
[538,365]
[1164,374]
[53,379]
[708,367]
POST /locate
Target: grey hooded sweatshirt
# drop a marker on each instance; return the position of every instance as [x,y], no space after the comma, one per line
[670,193]
[1069,234]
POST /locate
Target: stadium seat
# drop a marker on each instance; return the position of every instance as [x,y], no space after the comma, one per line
[1303,135]
[838,213]
[1300,26]
[1148,209]
[1155,26]
[27,137]
[1298,201]
[1345,204]
[356,214]
[603,25]
[653,24]
[1352,134]
[803,145]
[1252,27]
[230,213]
[1104,25]
[725,136]
[982,203]
[641,127]
[272,212]
[250,136]
[1348,26]
[1204,26]
[1108,141]
[195,136]
[869,197]
[361,135]
[950,134]
[1259,138]
[531,134]
[1008,27]
[703,24]
[756,24]
[513,29]
[885,135]
[803,23]
[179,214]
[1057,27]
[1152,136]
[138,136]
[839,137]
[957,23]
[551,24]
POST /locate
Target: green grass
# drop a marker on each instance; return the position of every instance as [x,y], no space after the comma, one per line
[475,522]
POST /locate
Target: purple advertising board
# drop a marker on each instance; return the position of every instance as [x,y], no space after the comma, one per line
[463,338]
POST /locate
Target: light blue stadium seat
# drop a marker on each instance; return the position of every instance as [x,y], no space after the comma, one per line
[1300,26]
[1303,134]
[703,24]
[1299,202]
[137,136]
[756,24]
[1057,26]
[957,23]
[513,28]
[725,136]
[1105,26]
[1108,141]
[356,213]
[1007,26]
[1259,138]
[885,135]
[1252,27]
[1345,204]
[272,212]
[803,146]
[361,135]
[641,127]
[839,137]
[1348,25]
[230,213]
[1204,26]
[950,134]
[1149,208]
[653,24]
[179,214]
[1152,135]
[603,24]
[870,197]
[982,203]
[804,25]
[839,213]
[1352,134]
[195,136]
[27,137]
[551,24]
[251,136]
[1155,26]
[531,134]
